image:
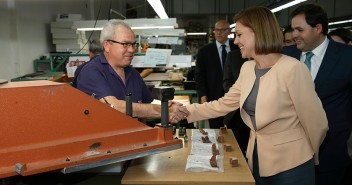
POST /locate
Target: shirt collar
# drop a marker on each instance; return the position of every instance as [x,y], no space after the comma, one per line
[111,70]
[320,50]
[227,43]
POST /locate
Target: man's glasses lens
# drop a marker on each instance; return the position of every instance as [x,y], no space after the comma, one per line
[125,44]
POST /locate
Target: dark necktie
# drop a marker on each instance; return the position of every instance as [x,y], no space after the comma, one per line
[223,55]
[307,61]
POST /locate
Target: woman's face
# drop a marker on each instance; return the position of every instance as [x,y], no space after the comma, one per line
[245,39]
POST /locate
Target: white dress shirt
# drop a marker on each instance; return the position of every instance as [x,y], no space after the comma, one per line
[219,46]
[317,58]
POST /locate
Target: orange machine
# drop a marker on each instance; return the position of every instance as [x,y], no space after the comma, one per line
[46,126]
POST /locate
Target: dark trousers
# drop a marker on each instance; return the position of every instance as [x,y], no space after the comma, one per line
[334,177]
[300,175]
[216,122]
[347,180]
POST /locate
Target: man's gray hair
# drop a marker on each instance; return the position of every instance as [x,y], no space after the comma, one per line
[95,47]
[109,29]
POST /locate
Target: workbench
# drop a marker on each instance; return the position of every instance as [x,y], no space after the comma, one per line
[169,168]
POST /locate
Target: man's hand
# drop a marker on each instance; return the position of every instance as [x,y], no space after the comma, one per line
[177,112]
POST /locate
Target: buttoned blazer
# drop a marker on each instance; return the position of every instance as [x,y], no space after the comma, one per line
[290,120]
[209,73]
[333,85]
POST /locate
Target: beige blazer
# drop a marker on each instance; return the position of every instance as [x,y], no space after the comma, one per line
[290,120]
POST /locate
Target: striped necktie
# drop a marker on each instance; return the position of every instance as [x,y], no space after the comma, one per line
[307,61]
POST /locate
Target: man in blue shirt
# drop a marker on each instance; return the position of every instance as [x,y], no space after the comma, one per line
[95,49]
[110,77]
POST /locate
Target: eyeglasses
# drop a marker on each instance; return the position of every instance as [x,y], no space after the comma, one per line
[220,30]
[125,44]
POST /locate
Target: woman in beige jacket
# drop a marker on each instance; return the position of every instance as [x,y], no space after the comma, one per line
[276,97]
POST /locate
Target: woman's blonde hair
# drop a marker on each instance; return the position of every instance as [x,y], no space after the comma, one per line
[268,36]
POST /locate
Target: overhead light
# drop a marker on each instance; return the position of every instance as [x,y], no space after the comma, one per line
[136,24]
[150,27]
[90,25]
[340,22]
[199,33]
[233,25]
[89,29]
[152,23]
[281,6]
[161,32]
[158,8]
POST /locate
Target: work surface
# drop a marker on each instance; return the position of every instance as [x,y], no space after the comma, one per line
[169,168]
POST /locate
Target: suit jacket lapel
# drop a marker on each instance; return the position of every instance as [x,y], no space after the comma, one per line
[327,66]
[297,54]
[216,56]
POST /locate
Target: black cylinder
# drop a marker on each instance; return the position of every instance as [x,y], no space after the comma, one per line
[164,113]
[128,99]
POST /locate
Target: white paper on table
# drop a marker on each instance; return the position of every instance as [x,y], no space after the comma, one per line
[201,163]
[196,133]
[200,148]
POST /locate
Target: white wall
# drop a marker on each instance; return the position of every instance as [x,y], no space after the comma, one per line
[25,31]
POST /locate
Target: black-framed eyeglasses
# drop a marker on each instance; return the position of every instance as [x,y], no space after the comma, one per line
[221,30]
[125,44]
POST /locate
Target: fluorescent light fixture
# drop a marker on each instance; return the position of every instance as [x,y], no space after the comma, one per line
[158,8]
[150,27]
[89,25]
[136,24]
[233,25]
[152,23]
[89,29]
[284,6]
[340,22]
[133,28]
[160,32]
[199,33]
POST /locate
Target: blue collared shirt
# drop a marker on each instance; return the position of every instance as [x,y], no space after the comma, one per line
[99,77]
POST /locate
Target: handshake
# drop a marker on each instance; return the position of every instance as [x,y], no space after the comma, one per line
[177,112]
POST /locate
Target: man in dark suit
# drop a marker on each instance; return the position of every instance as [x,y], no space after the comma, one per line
[233,119]
[209,68]
[331,70]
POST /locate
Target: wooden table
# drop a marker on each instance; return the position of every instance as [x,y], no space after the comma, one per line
[169,168]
